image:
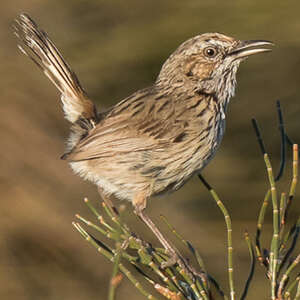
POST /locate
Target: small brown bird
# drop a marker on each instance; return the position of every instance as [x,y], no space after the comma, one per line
[156,139]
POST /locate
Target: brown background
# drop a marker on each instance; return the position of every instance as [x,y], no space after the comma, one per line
[117,47]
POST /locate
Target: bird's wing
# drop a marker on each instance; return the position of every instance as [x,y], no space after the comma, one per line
[142,122]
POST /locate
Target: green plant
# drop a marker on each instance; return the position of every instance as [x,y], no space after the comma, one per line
[279,260]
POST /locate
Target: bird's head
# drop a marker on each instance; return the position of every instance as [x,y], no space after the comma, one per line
[209,63]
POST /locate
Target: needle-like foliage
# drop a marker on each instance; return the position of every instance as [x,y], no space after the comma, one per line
[133,257]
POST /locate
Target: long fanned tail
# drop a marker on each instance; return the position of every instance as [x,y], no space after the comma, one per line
[36,44]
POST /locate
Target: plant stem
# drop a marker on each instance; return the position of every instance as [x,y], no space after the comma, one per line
[275,238]
[229,235]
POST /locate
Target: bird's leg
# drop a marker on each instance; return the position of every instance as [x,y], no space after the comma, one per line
[107,200]
[139,204]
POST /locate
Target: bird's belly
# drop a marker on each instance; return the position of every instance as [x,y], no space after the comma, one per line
[113,179]
[151,172]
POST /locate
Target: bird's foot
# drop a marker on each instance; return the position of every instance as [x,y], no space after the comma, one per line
[177,258]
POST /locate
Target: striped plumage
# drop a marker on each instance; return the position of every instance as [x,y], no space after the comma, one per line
[149,143]
[156,139]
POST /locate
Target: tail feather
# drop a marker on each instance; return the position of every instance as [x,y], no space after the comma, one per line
[36,44]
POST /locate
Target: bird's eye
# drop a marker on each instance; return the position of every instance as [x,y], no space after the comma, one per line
[210,52]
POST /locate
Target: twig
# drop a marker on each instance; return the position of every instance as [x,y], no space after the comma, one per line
[217,286]
[275,238]
[288,291]
[294,180]
[297,297]
[283,142]
[109,256]
[252,266]
[282,208]
[229,234]
[259,227]
[292,246]
[116,261]
[187,244]
[258,136]
[285,276]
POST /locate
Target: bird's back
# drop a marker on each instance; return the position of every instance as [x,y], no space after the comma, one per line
[151,142]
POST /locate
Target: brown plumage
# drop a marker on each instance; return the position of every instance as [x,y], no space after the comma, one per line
[156,139]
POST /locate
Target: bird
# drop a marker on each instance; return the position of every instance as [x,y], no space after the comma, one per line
[156,139]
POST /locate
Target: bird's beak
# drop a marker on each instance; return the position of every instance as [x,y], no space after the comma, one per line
[246,48]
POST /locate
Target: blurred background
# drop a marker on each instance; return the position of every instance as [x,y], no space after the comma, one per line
[117,47]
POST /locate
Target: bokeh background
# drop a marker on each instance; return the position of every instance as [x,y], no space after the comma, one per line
[117,47]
